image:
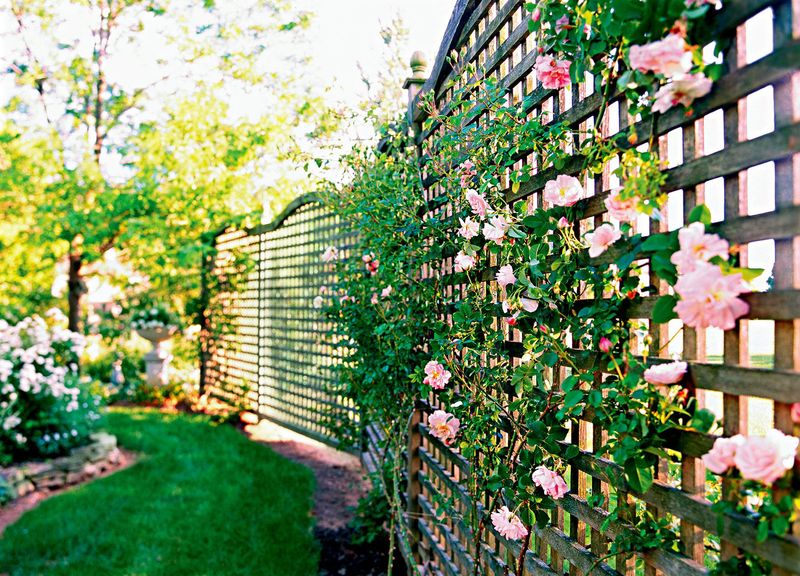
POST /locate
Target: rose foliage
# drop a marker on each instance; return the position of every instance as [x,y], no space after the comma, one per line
[458,268]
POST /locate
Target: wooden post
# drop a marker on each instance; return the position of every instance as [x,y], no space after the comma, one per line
[413,467]
[414,83]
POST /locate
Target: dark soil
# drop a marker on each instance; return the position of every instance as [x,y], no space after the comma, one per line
[340,484]
[340,557]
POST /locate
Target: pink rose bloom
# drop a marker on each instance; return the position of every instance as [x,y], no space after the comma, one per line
[552,73]
[536,15]
[435,375]
[467,172]
[330,254]
[664,374]
[529,305]
[563,191]
[469,228]
[508,524]
[766,458]
[602,237]
[549,481]
[721,455]
[796,412]
[372,267]
[622,210]
[478,203]
[374,299]
[561,22]
[697,246]
[463,262]
[710,298]
[367,257]
[444,426]
[505,276]
[386,291]
[668,56]
[563,222]
[604,345]
[495,230]
[682,90]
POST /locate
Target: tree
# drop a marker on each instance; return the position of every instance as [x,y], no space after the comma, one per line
[144,109]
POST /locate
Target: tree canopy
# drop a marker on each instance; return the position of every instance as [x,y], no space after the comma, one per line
[128,126]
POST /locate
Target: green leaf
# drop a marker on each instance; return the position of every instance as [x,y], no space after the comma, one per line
[656,242]
[639,475]
[664,309]
[703,420]
[763,530]
[572,398]
[700,213]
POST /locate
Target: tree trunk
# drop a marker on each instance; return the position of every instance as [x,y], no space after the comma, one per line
[76,289]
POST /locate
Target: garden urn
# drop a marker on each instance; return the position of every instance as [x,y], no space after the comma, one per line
[158,359]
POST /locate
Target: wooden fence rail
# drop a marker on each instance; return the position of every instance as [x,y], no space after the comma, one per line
[278,360]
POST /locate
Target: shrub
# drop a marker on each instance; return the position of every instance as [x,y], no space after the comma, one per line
[44,408]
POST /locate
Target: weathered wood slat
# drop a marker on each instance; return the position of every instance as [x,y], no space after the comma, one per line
[741,531]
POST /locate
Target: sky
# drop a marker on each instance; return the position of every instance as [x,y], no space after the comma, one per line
[345,32]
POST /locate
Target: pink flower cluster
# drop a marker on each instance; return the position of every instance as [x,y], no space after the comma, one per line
[672,58]
[563,191]
[469,228]
[552,72]
[495,230]
[668,56]
[601,238]
[665,374]
[444,426]
[477,202]
[696,246]
[371,263]
[708,296]
[508,524]
[435,375]
[463,262]
[330,254]
[762,458]
[683,90]
[505,276]
[623,210]
[549,481]
[467,173]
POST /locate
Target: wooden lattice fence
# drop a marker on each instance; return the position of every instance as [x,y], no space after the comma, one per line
[276,358]
[750,176]
[267,348]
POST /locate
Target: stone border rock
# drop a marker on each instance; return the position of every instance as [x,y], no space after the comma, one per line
[80,464]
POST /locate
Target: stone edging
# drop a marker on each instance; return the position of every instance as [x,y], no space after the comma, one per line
[80,464]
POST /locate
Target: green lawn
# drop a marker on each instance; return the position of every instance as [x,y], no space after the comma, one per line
[201,500]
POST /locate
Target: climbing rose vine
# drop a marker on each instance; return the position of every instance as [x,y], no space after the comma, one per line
[479,259]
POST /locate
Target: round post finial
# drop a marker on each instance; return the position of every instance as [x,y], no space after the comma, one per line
[419,65]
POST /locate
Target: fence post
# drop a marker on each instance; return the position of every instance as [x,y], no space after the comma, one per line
[413,466]
[414,83]
[203,319]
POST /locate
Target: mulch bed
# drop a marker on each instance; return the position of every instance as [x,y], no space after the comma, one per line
[340,484]
[340,557]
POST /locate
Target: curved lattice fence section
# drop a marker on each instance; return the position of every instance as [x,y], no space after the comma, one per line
[268,348]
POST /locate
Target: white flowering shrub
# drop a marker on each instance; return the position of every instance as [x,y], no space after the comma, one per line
[44,409]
